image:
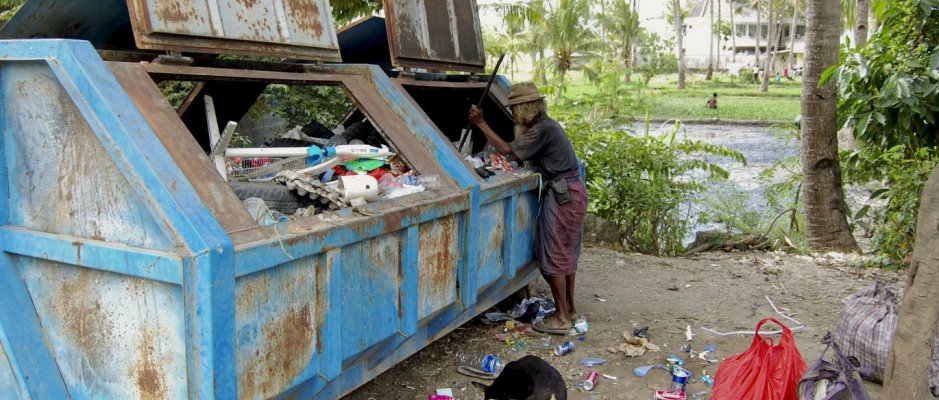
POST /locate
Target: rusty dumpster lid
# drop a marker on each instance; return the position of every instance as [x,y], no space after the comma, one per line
[435,34]
[301,29]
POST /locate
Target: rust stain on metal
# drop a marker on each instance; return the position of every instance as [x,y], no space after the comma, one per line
[284,344]
[437,259]
[284,353]
[306,14]
[78,252]
[522,213]
[87,326]
[171,12]
[249,3]
[151,383]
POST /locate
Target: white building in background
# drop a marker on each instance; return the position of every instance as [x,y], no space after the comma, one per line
[698,31]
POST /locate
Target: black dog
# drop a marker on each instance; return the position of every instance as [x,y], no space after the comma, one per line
[530,377]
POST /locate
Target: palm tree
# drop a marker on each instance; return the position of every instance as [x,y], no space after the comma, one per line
[792,35]
[860,30]
[678,21]
[566,34]
[825,218]
[764,85]
[623,22]
[529,16]
[733,31]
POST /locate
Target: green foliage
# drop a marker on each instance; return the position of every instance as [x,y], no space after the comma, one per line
[726,204]
[299,104]
[640,182]
[892,227]
[889,97]
[175,91]
[8,8]
[658,57]
[889,90]
[344,11]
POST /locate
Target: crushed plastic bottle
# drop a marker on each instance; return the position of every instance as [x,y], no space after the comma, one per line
[487,363]
[592,361]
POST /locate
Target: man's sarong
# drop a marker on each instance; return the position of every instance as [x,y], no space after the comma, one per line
[559,231]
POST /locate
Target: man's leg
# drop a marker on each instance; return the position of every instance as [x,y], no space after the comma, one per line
[570,295]
[562,318]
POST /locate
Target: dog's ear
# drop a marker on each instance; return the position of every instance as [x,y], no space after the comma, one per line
[480,386]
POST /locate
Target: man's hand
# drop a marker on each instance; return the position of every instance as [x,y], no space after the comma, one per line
[476,115]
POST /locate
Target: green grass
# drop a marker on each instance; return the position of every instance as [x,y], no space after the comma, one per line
[735,108]
[737,101]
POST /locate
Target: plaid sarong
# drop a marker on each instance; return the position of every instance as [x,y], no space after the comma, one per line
[866,328]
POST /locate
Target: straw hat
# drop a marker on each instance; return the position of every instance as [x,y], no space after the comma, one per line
[523,92]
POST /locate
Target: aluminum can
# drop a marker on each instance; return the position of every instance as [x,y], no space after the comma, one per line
[564,348]
[669,395]
[680,379]
[591,380]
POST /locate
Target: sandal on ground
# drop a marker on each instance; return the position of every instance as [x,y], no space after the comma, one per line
[540,326]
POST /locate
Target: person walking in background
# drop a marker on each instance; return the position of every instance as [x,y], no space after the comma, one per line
[712,101]
[564,204]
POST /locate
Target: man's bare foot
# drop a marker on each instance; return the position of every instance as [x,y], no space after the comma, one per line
[557,322]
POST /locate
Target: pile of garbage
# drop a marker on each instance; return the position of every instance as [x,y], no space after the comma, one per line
[311,171]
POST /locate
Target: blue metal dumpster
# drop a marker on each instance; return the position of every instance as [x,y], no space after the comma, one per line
[128,267]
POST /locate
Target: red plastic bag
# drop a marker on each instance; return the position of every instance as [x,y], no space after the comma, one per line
[766,371]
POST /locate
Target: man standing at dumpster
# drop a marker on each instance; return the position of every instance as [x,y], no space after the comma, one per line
[561,218]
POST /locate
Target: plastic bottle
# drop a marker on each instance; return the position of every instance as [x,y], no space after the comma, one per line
[486,362]
[427,181]
[257,209]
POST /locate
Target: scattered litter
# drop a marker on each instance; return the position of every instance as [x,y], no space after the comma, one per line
[445,392]
[669,395]
[564,348]
[592,361]
[644,370]
[641,332]
[710,348]
[688,333]
[633,346]
[581,338]
[439,397]
[581,325]
[798,325]
[591,380]
[610,377]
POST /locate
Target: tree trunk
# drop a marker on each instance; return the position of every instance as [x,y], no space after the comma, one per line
[825,220]
[792,37]
[907,373]
[542,76]
[710,73]
[720,34]
[860,30]
[764,85]
[759,32]
[627,60]
[777,40]
[679,33]
[733,33]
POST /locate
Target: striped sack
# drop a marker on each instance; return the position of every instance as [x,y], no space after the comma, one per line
[866,327]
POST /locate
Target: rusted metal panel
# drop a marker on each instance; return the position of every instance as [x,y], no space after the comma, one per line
[70,184]
[277,322]
[370,283]
[288,28]
[438,259]
[491,242]
[114,336]
[526,214]
[436,34]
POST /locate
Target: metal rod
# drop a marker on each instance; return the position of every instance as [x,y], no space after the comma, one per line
[479,104]
[799,325]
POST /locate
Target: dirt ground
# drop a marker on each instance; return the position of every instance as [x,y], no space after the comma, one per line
[621,292]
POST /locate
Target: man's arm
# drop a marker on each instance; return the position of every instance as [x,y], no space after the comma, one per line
[476,115]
